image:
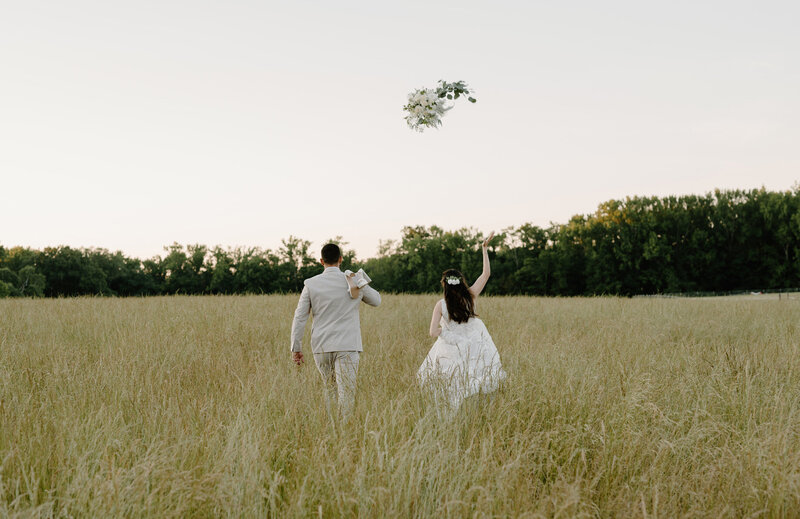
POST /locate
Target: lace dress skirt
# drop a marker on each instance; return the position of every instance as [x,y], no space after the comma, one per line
[462,362]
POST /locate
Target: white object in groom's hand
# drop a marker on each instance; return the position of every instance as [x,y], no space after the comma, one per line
[360,278]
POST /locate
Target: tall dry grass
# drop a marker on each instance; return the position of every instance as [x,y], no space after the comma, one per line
[190,407]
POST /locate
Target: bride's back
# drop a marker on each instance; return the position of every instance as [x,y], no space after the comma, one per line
[450,323]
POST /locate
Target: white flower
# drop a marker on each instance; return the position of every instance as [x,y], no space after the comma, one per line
[425,108]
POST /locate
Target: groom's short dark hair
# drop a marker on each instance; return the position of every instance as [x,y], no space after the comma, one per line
[331,253]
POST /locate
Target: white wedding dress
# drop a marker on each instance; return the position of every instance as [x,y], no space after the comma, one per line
[462,362]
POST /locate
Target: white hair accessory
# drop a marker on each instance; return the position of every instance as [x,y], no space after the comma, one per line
[453,280]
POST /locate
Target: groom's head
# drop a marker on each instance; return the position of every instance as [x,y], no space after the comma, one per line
[331,255]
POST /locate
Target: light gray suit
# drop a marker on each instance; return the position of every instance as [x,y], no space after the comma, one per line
[335,332]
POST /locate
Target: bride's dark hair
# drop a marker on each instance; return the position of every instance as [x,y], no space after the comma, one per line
[457,297]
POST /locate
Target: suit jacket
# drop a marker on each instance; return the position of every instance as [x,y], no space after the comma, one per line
[335,326]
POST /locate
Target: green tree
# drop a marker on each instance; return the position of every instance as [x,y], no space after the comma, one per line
[31,283]
[11,281]
[70,272]
[186,270]
[223,272]
[296,264]
[256,271]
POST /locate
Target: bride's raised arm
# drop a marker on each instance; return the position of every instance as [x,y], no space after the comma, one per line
[480,283]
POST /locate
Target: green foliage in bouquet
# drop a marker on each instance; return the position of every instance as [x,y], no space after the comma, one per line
[455,90]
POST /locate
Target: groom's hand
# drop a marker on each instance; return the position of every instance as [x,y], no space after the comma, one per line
[297,357]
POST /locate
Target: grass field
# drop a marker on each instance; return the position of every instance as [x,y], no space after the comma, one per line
[190,407]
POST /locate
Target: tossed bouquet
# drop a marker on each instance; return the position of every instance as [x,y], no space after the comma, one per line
[427,106]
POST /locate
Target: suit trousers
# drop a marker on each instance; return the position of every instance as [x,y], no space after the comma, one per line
[339,370]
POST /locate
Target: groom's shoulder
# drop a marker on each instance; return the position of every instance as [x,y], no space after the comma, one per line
[325,279]
[312,280]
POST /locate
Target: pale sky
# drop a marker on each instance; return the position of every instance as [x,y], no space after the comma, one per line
[131,125]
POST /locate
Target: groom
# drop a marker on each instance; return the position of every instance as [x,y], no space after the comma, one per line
[336,331]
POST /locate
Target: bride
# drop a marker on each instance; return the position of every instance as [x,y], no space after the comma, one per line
[464,360]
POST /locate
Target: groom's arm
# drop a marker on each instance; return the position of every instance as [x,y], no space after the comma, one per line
[370,296]
[351,285]
[299,324]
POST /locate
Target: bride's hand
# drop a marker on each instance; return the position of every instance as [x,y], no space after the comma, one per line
[487,240]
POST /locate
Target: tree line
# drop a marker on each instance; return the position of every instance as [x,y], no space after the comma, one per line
[721,241]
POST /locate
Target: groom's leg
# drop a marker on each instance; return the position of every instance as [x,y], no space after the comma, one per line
[325,365]
[346,366]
